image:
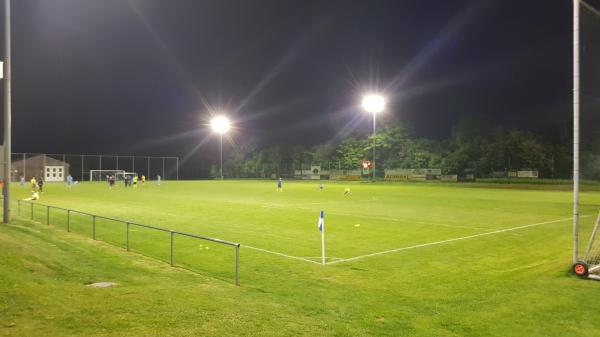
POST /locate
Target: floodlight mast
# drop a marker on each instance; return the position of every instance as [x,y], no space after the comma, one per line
[373,104]
[7,113]
[220,125]
[575,130]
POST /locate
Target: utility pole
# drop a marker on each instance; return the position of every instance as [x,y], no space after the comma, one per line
[7,113]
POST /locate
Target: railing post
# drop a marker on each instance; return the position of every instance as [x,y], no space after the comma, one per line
[31,210]
[48,215]
[237,265]
[172,249]
[127,235]
[94,227]
[68,220]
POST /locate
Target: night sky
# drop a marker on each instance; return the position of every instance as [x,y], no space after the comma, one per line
[141,77]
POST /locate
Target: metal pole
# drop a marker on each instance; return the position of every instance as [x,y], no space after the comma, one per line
[177,168]
[94,227]
[575,130]
[221,151]
[100,166]
[117,162]
[25,166]
[172,248]
[374,142]
[127,236]
[237,265]
[81,178]
[7,112]
[148,172]
[133,164]
[323,244]
[163,169]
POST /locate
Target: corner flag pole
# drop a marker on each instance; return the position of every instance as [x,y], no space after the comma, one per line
[321,227]
[575,130]
[323,246]
[7,113]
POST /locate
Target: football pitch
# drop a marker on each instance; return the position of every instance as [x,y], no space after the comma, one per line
[402,259]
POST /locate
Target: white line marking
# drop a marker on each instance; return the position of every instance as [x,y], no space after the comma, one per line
[379,217]
[326,257]
[280,254]
[451,240]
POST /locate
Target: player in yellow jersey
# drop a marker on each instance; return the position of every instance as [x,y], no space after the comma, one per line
[33,184]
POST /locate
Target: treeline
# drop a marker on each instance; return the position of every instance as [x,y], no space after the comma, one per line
[483,153]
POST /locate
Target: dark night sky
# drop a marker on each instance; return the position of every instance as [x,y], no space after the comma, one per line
[138,77]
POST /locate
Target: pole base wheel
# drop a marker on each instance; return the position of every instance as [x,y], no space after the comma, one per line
[580,269]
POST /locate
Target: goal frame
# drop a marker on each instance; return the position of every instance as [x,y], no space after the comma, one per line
[100,172]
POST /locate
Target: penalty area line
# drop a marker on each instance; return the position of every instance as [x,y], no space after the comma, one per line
[280,254]
[451,240]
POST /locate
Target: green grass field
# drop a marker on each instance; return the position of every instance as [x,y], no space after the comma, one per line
[403,260]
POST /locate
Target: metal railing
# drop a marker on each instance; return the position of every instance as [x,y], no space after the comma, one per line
[128,224]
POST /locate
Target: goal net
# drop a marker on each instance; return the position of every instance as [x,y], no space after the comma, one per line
[102,175]
[123,175]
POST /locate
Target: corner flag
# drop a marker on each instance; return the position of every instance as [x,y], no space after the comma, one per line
[321,226]
[321,223]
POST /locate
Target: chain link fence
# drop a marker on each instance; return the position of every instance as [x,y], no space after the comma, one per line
[28,165]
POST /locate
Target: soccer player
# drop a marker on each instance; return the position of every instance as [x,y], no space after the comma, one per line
[33,184]
[347,191]
[22,181]
[135,180]
[111,181]
[280,185]
[143,180]
[321,186]
[34,196]
[69,181]
[41,184]
[158,180]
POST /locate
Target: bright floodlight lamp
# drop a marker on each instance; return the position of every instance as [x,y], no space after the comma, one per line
[373,103]
[220,124]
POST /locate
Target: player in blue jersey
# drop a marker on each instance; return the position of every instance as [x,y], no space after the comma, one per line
[280,185]
[69,181]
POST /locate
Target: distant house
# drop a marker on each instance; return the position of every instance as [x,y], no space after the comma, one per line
[40,166]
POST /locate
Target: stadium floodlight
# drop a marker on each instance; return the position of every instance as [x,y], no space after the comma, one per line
[220,125]
[373,104]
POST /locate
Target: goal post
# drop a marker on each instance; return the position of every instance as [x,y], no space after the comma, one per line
[586,137]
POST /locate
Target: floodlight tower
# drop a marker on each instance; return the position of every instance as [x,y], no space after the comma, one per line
[220,125]
[373,104]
